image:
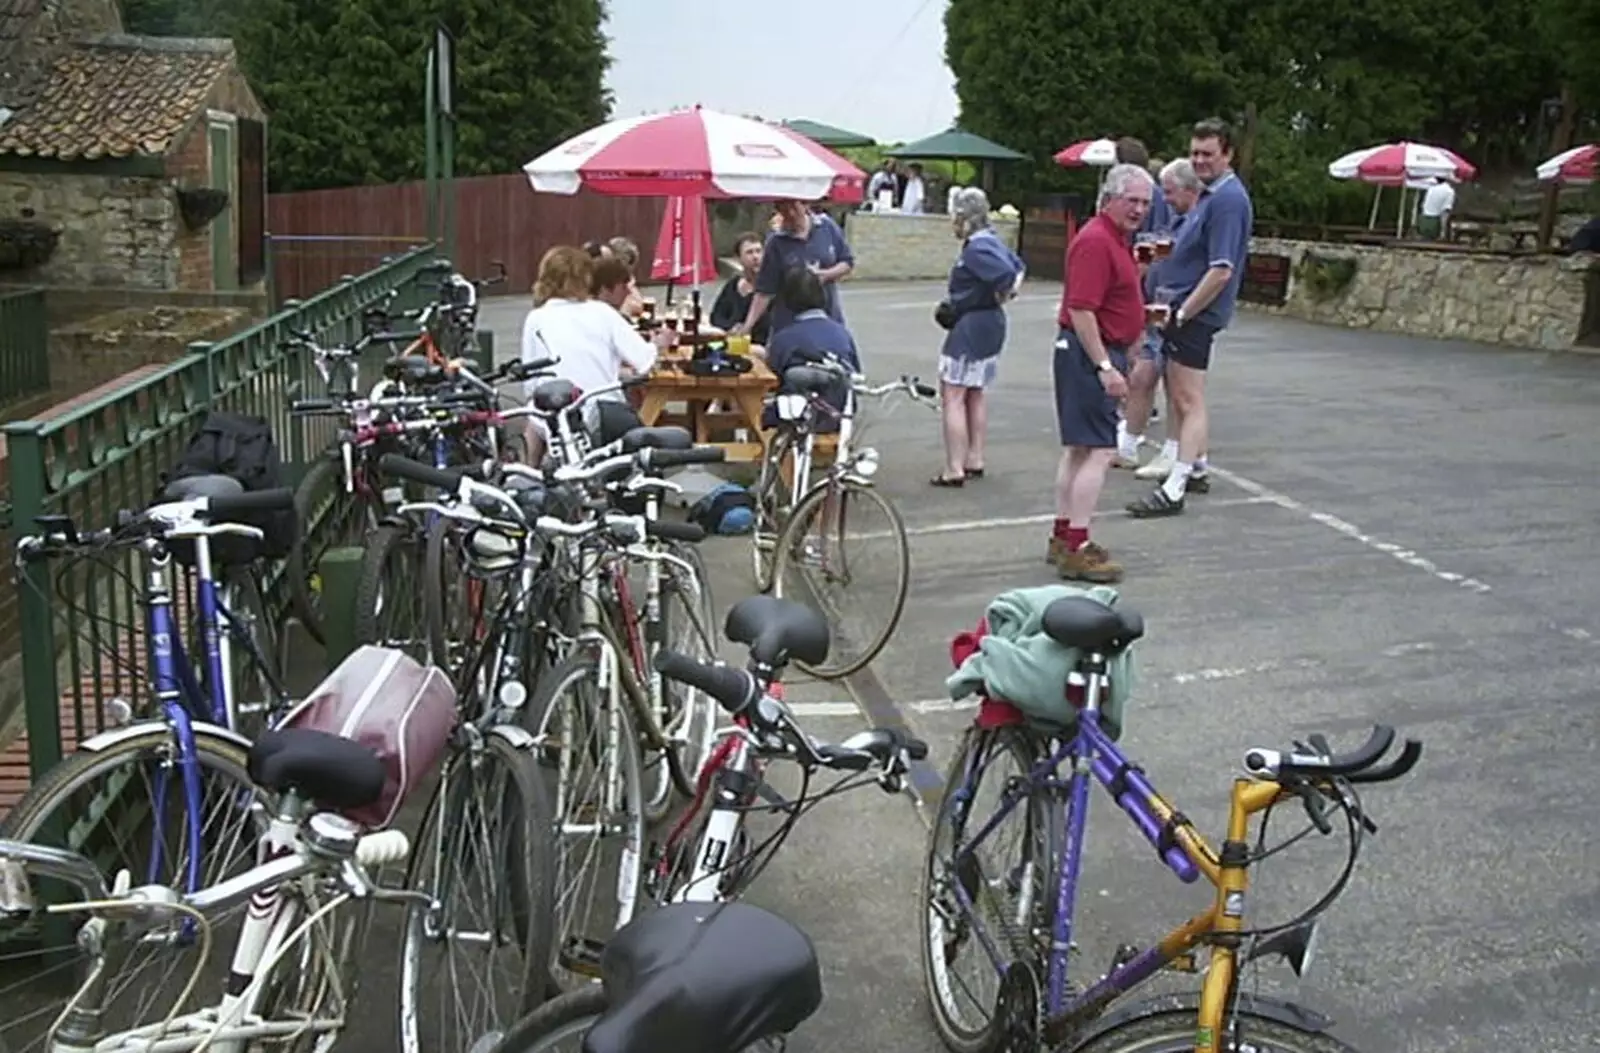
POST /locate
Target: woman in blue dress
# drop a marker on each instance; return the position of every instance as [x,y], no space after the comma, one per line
[986,275]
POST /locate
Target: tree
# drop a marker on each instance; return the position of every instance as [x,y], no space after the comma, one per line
[343,83]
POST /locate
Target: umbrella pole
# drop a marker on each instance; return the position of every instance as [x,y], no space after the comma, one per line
[1372,220]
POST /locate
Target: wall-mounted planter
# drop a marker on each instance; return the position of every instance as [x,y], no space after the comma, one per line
[200,205]
[26,243]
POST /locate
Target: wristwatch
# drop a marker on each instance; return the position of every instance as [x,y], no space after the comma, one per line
[1105,365]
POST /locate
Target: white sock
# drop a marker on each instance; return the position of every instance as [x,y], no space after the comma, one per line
[1200,466]
[1127,444]
[1175,485]
[1169,450]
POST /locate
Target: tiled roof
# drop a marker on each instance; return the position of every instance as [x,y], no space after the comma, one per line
[116,96]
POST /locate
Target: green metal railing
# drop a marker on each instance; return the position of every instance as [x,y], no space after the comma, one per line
[110,453]
[24,344]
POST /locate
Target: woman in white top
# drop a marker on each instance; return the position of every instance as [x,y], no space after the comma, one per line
[593,343]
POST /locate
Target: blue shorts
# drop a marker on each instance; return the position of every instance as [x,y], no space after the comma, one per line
[1085,415]
[1150,348]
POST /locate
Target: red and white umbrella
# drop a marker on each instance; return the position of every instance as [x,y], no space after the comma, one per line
[1577,165]
[1098,153]
[1392,164]
[683,247]
[696,153]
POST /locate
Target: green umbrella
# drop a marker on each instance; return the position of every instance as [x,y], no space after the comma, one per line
[957,145]
[827,135]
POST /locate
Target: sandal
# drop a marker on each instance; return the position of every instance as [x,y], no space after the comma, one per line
[974,473]
[946,481]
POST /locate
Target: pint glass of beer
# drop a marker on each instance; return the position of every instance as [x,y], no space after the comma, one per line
[1156,314]
[1163,247]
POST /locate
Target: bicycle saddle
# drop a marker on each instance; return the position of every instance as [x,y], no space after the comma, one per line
[554,394]
[334,771]
[706,978]
[667,438]
[210,485]
[1089,625]
[778,630]
[808,380]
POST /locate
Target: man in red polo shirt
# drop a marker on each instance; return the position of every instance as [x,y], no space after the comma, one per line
[1101,316]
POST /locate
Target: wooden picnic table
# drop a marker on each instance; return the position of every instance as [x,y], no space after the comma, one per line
[704,399]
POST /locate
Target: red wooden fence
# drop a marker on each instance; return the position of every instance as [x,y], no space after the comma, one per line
[497,218]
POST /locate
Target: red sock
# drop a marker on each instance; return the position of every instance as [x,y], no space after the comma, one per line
[1076,538]
[1062,531]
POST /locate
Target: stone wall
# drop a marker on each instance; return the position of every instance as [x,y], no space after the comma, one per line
[115,230]
[896,246]
[1521,301]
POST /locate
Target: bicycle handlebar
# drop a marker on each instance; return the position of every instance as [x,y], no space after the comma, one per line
[739,693]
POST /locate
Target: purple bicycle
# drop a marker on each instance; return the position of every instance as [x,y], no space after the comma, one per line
[1000,911]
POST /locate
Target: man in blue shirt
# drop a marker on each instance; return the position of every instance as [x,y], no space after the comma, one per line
[806,239]
[812,336]
[1205,271]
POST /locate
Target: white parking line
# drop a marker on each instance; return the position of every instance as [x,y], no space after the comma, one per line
[962,526]
[1405,555]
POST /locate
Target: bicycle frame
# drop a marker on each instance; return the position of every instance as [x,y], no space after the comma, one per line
[1183,849]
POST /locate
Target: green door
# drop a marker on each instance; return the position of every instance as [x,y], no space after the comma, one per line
[224,268]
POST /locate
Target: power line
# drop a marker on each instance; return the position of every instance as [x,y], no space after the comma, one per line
[857,85]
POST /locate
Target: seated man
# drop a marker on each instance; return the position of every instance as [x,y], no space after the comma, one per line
[811,337]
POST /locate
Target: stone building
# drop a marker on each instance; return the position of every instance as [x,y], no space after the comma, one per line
[105,138]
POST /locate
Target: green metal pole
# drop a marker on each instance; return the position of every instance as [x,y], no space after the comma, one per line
[41,693]
[430,122]
[340,571]
[447,135]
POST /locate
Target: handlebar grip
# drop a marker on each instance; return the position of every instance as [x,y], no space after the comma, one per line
[426,474]
[674,458]
[312,406]
[690,532]
[538,365]
[278,500]
[1365,756]
[734,689]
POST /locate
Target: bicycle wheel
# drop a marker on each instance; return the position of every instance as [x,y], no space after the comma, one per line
[320,497]
[481,855]
[771,507]
[1173,1031]
[453,600]
[123,807]
[559,1025]
[810,565]
[589,750]
[388,603]
[688,716]
[256,664]
[985,762]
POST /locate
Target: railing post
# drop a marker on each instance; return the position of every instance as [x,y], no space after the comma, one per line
[41,693]
[205,396]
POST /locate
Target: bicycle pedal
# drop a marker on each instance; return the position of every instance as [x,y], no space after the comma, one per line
[581,955]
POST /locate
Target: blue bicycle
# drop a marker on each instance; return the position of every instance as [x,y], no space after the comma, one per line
[205,708]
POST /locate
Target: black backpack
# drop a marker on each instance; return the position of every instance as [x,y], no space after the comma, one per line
[241,447]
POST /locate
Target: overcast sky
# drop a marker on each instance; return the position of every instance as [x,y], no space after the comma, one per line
[870,66]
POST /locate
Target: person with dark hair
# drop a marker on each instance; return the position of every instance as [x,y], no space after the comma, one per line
[1204,273]
[611,281]
[810,337]
[733,301]
[1131,151]
[805,239]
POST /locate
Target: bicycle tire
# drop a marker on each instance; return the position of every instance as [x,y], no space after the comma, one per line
[390,542]
[1173,1031]
[530,870]
[794,531]
[566,1016]
[242,594]
[323,473]
[684,763]
[575,670]
[1043,816]
[434,614]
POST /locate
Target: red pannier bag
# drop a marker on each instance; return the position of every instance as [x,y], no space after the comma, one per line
[994,712]
[401,710]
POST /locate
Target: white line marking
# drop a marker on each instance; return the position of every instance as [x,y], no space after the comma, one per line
[1405,555]
[1234,673]
[965,525]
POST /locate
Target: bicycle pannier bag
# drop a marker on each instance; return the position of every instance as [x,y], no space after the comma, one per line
[241,447]
[402,711]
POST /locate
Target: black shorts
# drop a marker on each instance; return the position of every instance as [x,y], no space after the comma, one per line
[1190,343]
[1085,415]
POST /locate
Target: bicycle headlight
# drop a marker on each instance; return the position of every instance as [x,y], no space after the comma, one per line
[865,462]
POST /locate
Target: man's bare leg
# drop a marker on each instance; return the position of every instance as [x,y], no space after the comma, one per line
[1080,477]
[1188,389]
[1142,382]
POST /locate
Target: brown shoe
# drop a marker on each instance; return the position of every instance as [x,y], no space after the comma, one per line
[1056,551]
[1090,563]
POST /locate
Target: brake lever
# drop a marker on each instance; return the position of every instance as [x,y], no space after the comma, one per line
[1316,809]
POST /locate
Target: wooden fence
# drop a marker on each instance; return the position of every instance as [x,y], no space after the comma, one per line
[320,235]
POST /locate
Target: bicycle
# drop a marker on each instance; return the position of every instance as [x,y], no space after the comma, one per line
[720,862]
[1028,949]
[313,863]
[801,524]
[705,971]
[200,716]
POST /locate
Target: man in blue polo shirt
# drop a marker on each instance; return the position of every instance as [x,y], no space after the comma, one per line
[806,239]
[1205,271]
